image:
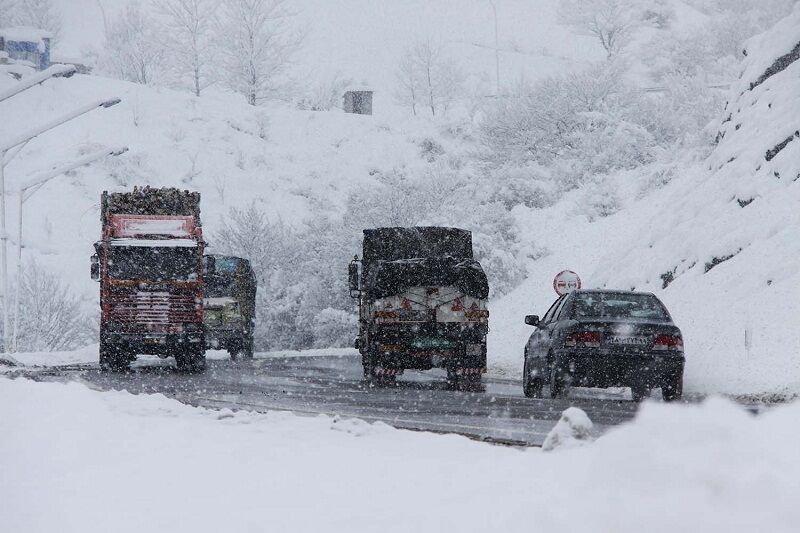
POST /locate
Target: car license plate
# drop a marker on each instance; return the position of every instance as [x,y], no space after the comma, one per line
[619,340]
[153,340]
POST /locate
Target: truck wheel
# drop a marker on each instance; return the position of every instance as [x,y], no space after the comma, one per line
[234,351]
[640,392]
[247,349]
[672,389]
[113,358]
[531,386]
[190,361]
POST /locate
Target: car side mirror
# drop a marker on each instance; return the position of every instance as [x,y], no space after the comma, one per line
[352,278]
[95,269]
[532,320]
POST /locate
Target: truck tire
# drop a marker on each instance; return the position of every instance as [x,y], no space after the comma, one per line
[234,350]
[247,349]
[640,392]
[372,372]
[114,358]
[191,361]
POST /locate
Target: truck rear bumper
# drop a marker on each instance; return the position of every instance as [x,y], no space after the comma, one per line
[164,344]
[431,345]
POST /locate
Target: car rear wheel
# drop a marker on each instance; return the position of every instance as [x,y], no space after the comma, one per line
[559,383]
[531,386]
[672,389]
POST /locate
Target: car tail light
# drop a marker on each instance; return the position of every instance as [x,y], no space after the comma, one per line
[668,343]
[583,339]
[458,305]
[406,304]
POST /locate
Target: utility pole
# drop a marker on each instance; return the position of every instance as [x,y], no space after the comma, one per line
[27,190]
[5,146]
[496,50]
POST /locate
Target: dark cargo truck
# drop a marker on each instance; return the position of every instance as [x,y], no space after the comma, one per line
[230,305]
[149,262]
[422,304]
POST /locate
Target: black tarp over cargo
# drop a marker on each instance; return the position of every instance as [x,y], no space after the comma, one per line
[398,258]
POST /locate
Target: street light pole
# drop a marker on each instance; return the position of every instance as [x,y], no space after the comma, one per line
[56,71]
[496,50]
[7,145]
[33,185]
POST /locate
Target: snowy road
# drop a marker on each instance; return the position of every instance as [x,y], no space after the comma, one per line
[333,385]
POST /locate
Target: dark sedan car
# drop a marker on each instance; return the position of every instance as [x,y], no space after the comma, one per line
[600,338]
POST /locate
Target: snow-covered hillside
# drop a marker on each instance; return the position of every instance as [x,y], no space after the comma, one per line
[363,40]
[719,243]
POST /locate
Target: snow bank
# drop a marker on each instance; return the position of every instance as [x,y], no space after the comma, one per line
[78,460]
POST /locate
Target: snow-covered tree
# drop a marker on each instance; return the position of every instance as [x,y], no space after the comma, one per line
[188,37]
[7,8]
[611,22]
[427,76]
[257,41]
[326,94]
[133,50]
[51,317]
[40,14]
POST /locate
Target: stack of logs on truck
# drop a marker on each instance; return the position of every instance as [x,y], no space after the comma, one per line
[149,262]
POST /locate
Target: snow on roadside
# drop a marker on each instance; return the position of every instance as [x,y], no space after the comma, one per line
[74,459]
[88,354]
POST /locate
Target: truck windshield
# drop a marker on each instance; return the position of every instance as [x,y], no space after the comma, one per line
[618,305]
[157,263]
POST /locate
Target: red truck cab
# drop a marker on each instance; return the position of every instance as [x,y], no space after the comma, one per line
[150,269]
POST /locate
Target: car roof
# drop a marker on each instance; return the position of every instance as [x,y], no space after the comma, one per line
[610,291]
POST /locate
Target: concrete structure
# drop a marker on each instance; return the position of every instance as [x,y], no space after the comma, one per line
[358,102]
[24,44]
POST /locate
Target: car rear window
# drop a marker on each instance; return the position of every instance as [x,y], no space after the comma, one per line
[618,305]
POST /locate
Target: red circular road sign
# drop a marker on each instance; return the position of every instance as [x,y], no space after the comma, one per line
[565,282]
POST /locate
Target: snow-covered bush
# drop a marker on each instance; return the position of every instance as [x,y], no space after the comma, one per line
[580,124]
[51,317]
[334,327]
[325,95]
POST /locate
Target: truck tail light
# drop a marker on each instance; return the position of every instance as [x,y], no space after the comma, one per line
[583,339]
[663,343]
[382,317]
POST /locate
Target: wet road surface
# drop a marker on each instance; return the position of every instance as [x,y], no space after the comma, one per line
[334,385]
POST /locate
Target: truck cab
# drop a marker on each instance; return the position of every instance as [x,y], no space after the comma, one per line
[149,263]
[230,305]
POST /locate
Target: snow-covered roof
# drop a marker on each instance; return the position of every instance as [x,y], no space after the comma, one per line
[155,243]
[25,34]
